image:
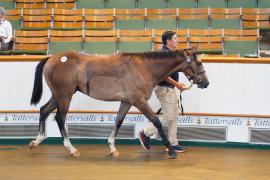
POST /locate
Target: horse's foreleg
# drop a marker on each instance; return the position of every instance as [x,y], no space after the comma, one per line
[144,107]
[44,113]
[123,109]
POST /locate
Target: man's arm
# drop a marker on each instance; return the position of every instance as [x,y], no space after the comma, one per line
[179,85]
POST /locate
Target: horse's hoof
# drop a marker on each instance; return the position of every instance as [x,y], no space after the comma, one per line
[172,154]
[76,154]
[115,153]
[32,145]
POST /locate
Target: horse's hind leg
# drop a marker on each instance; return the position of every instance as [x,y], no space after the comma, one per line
[60,118]
[144,107]
[44,113]
[124,108]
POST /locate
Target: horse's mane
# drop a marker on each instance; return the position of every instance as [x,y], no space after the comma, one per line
[156,54]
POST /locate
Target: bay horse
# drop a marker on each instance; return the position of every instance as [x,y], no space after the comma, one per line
[126,77]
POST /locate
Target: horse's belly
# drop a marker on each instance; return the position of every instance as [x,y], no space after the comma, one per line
[107,88]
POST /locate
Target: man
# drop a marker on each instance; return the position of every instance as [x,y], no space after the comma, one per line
[166,94]
[5,31]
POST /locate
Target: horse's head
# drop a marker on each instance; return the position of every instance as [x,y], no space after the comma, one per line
[194,69]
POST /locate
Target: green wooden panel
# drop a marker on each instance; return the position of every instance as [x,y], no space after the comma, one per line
[225,23]
[16,24]
[17,52]
[8,52]
[193,24]
[155,4]
[240,47]
[7,4]
[123,4]
[207,51]
[242,3]
[181,4]
[129,24]
[90,4]
[161,24]
[100,47]
[135,46]
[263,3]
[56,47]
[212,3]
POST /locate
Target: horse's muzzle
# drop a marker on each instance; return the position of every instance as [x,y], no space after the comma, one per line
[203,84]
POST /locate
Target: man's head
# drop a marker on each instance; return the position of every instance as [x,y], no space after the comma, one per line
[2,13]
[169,39]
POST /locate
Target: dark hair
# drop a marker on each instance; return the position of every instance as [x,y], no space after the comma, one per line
[167,35]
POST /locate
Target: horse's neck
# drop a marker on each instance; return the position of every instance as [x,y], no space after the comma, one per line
[161,68]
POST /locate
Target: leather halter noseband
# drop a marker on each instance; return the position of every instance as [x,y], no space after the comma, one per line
[189,66]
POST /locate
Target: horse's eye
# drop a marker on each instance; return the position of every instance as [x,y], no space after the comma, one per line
[195,57]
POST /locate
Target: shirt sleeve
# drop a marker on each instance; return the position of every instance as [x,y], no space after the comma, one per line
[9,32]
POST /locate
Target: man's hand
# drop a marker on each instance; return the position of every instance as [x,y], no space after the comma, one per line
[181,86]
[3,37]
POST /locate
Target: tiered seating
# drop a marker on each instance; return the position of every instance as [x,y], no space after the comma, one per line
[212,4]
[194,18]
[135,41]
[94,4]
[100,42]
[68,19]
[31,42]
[130,18]
[253,18]
[123,4]
[208,41]
[36,19]
[225,18]
[157,4]
[36,4]
[7,4]
[130,4]
[61,4]
[263,4]
[65,41]
[241,41]
[98,19]
[197,18]
[181,3]
[136,25]
[162,19]
[14,16]
[242,3]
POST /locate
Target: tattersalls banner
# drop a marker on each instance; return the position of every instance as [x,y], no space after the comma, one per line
[139,118]
[238,128]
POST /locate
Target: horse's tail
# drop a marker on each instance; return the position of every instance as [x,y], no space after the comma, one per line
[38,87]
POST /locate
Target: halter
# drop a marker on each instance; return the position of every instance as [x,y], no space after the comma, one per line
[189,66]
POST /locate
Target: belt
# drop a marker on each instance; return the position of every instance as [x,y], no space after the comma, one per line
[167,85]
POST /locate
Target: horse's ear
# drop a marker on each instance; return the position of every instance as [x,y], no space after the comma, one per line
[199,58]
[194,47]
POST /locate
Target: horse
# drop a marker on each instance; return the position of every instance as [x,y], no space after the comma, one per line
[126,77]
